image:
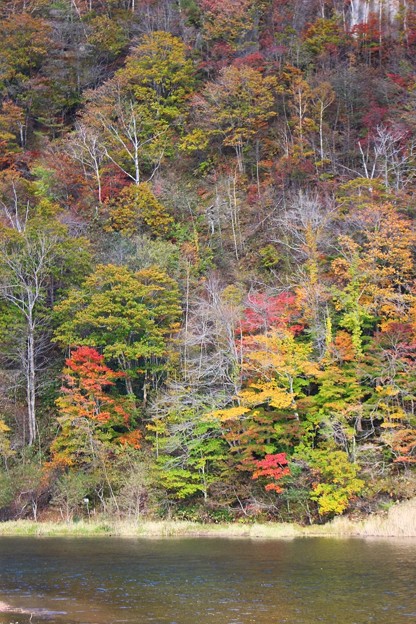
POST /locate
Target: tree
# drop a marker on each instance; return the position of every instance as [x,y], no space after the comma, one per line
[237,107]
[325,38]
[12,132]
[337,480]
[159,75]
[227,21]
[24,44]
[300,104]
[132,138]
[106,35]
[335,412]
[129,316]
[323,96]
[191,451]
[304,232]
[265,418]
[388,154]
[374,267]
[133,114]
[389,370]
[273,467]
[6,451]
[90,416]
[283,364]
[85,147]
[262,312]
[35,253]
[135,209]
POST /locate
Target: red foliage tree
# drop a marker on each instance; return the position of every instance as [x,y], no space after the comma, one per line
[86,381]
[91,417]
[273,467]
[263,312]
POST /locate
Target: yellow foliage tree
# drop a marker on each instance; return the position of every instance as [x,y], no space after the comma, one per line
[136,208]
[6,450]
[265,418]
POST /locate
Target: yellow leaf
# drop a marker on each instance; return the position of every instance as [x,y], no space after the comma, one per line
[230,413]
[3,427]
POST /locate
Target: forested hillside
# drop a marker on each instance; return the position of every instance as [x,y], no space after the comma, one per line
[207,258]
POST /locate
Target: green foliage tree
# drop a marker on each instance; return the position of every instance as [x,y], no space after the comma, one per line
[159,75]
[129,316]
[337,480]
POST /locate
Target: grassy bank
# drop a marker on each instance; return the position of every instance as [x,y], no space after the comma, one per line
[399,521]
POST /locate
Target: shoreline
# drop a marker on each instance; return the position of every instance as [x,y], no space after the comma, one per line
[398,521]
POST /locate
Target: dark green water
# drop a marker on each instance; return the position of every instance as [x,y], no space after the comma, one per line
[209,581]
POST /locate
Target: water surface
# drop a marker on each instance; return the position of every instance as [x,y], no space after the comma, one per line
[201,581]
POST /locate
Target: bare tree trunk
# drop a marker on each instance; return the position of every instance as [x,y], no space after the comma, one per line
[31,384]
[26,272]
[129,386]
[321,132]
[186,328]
[234,216]
[98,177]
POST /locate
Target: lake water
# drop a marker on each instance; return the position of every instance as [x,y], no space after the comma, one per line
[208,581]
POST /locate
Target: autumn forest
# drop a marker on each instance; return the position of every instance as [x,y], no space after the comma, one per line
[207,258]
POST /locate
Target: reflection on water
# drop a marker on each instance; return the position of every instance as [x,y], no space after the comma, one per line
[200,581]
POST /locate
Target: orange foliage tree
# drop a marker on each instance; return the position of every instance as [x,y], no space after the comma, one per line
[90,414]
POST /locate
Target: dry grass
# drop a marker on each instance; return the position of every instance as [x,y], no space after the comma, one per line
[149,529]
[43,529]
[399,521]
